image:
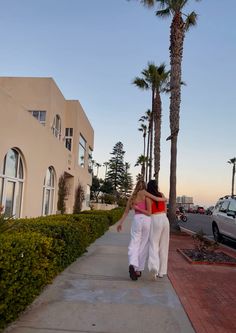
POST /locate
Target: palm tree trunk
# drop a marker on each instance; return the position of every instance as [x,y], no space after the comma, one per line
[151,139]
[157,135]
[144,145]
[176,54]
[233,176]
[147,155]
[172,192]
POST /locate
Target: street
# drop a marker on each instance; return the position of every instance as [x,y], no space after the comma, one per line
[197,222]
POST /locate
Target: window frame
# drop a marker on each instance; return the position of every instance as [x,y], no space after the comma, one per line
[56,126]
[18,184]
[39,112]
[69,138]
[224,204]
[81,146]
[48,188]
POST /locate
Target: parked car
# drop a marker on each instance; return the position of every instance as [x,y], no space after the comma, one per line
[190,210]
[209,210]
[200,210]
[224,218]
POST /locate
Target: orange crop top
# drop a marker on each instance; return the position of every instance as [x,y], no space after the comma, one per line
[160,207]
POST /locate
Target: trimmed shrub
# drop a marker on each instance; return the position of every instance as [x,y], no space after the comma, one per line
[28,261]
[37,249]
[113,215]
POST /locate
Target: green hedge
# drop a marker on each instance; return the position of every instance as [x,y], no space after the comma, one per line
[76,231]
[28,261]
[113,215]
[36,249]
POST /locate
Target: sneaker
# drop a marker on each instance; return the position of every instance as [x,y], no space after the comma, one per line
[138,274]
[132,273]
[160,275]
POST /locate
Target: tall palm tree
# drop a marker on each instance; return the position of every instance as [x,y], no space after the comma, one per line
[233,162]
[155,78]
[148,117]
[143,129]
[179,25]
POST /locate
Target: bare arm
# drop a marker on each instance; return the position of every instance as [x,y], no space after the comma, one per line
[143,211]
[153,197]
[123,217]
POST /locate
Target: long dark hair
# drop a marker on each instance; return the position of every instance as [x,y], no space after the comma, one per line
[153,189]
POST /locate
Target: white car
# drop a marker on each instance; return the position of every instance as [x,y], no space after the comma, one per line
[224,218]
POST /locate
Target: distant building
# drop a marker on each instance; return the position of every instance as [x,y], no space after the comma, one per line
[42,136]
[184,201]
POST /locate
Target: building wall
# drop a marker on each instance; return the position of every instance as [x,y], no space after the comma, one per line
[39,148]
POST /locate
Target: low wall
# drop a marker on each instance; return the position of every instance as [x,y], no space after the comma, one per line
[102,206]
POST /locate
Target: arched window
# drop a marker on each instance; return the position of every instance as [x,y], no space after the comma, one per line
[11,183]
[48,191]
[56,127]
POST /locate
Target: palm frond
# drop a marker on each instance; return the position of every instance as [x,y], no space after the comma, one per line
[191,20]
[143,118]
[232,160]
[140,83]
[164,13]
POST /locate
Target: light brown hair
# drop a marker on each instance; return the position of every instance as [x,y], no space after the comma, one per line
[141,185]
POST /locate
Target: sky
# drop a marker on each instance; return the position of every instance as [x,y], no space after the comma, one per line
[94,49]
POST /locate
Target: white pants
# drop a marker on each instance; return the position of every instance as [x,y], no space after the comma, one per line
[139,243]
[159,244]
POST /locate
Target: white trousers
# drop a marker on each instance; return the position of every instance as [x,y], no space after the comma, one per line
[159,243]
[139,242]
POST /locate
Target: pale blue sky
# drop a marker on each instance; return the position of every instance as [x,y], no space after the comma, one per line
[93,49]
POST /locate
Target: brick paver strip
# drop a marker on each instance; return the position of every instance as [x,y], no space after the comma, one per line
[207,292]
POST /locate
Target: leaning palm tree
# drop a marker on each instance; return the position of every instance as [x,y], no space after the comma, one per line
[233,162]
[155,78]
[178,28]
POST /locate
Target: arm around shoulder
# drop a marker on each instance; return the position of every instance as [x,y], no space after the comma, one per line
[153,197]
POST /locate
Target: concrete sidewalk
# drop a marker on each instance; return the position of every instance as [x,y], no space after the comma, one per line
[95,294]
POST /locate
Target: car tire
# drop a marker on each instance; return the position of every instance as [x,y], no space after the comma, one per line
[216,233]
[184,218]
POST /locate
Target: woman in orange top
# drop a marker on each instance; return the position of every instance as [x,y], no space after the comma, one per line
[159,234]
[140,229]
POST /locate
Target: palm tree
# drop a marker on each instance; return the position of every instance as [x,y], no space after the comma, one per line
[178,28]
[143,129]
[155,78]
[148,117]
[141,161]
[232,161]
